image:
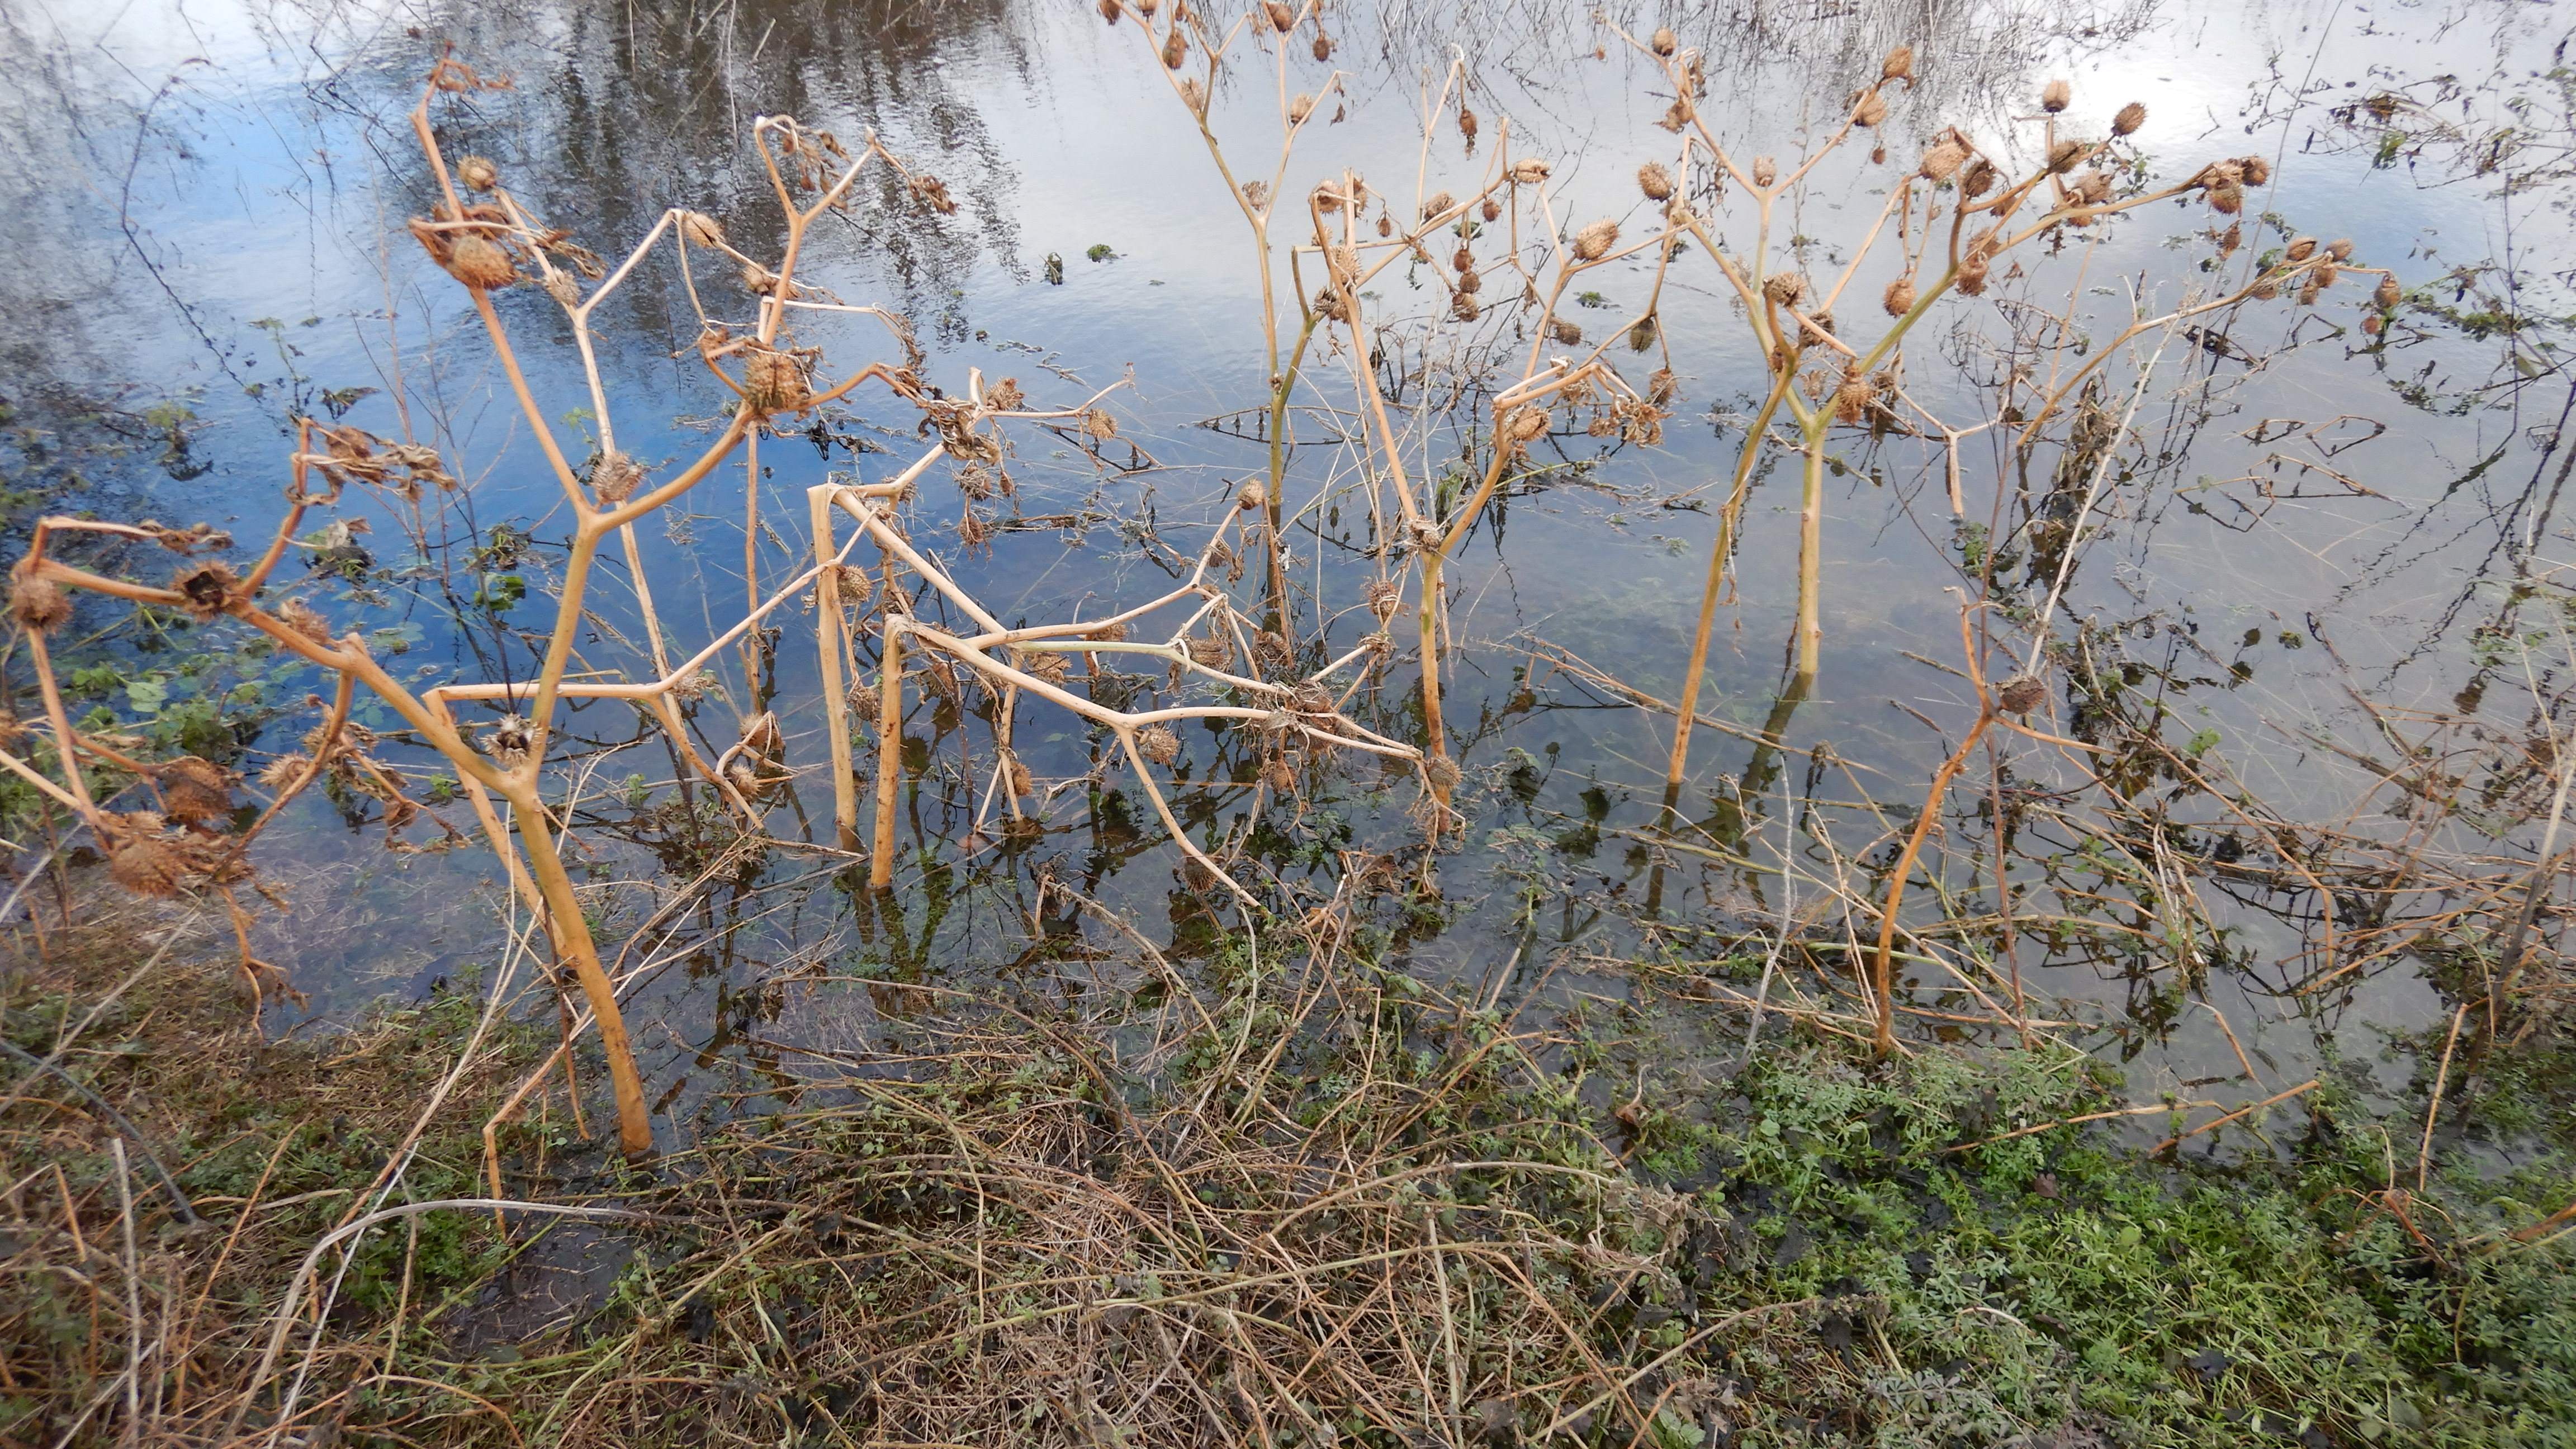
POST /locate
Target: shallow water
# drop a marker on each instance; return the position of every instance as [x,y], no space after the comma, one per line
[209,204]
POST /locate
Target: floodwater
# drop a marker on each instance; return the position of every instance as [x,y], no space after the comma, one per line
[2308,552]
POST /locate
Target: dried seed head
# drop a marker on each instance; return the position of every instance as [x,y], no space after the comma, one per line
[1109,11]
[1251,496]
[1158,744]
[1021,781]
[2386,295]
[2232,238]
[2372,326]
[285,770]
[1279,775]
[2323,275]
[1655,181]
[1784,288]
[1900,297]
[1326,197]
[1211,652]
[1660,386]
[208,589]
[1323,46]
[1299,109]
[700,229]
[1438,202]
[1973,268]
[511,740]
[2022,694]
[300,617]
[478,172]
[1595,241]
[146,867]
[2129,118]
[1462,260]
[2091,187]
[2256,171]
[1899,64]
[2340,249]
[1194,96]
[194,790]
[1529,171]
[1525,423]
[1978,179]
[614,476]
[2308,295]
[1442,772]
[1282,18]
[1851,398]
[1467,123]
[1463,306]
[2300,249]
[2063,156]
[1765,171]
[774,382]
[2266,289]
[1097,423]
[1869,110]
[1469,283]
[1176,50]
[1109,633]
[1383,597]
[852,584]
[2226,197]
[38,604]
[1492,210]
[559,285]
[479,262]
[758,280]
[1943,161]
[1564,333]
[2055,96]
[1665,42]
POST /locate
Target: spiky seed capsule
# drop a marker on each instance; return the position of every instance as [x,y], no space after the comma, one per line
[1323,46]
[1899,64]
[1900,297]
[1765,171]
[2340,249]
[1595,241]
[285,770]
[1176,50]
[2308,295]
[2300,249]
[2387,295]
[1469,284]
[1978,179]
[1655,181]
[2324,275]
[1870,111]
[38,604]
[1282,18]
[1665,42]
[1194,96]
[301,618]
[1464,307]
[1438,202]
[1299,109]
[1280,776]
[2257,171]
[478,172]
[1443,773]
[195,790]
[1109,11]
[2266,289]
[1383,598]
[1021,781]
[2055,96]
[1564,333]
[1784,288]
[701,230]
[1943,161]
[2226,198]
[2232,238]
[1158,744]
[1462,260]
[774,383]
[1212,653]
[1492,210]
[1851,399]
[1467,123]
[2063,156]
[208,589]
[146,867]
[1972,274]
[614,477]
[2129,118]
[1251,496]
[1661,385]
[479,262]
[1529,171]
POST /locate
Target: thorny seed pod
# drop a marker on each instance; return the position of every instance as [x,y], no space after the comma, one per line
[1097,423]
[1851,398]
[1655,181]
[1300,108]
[1252,495]
[38,604]
[1047,664]
[852,584]
[479,262]
[1210,652]
[773,382]
[1677,116]
[146,867]
[1943,161]
[1438,202]
[2386,295]
[1463,306]
[1282,18]
[1021,781]
[1326,198]
[208,589]
[700,229]
[2340,249]
[2308,295]
[1005,396]
[1109,11]
[1467,123]
[1595,241]
[1765,171]
[478,172]
[1784,288]
[1899,65]
[2230,239]
[2055,96]
[559,285]
[1158,744]
[1442,772]
[1660,386]
[1176,50]
[194,790]
[511,741]
[1323,46]
[2265,290]
[932,192]
[2063,156]
[1665,42]
[1870,110]
[1383,597]
[614,477]
[1469,283]
[1528,171]
[2226,197]
[1900,297]
[285,770]
[1462,260]
[300,617]
[2129,118]
[2372,326]
[758,280]
[1279,775]
[1109,633]
[1972,274]
[2091,187]
[2256,171]
[1564,333]
[1978,179]
[1525,423]
[2323,275]
[2022,694]
[1492,210]
[2300,249]
[1194,96]
[1385,224]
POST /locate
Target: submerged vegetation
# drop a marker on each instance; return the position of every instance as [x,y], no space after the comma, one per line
[1178,973]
